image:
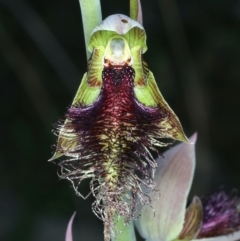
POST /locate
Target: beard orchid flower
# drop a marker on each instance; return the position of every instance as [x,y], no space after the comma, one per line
[214,218]
[117,116]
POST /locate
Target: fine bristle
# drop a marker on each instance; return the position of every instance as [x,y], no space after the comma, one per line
[112,138]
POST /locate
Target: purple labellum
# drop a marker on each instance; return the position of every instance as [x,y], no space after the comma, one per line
[113,136]
[221,214]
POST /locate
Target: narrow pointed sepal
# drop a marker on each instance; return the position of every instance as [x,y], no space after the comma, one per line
[164,220]
[193,220]
[69,236]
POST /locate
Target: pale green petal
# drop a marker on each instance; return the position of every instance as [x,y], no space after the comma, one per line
[149,95]
[173,180]
[67,139]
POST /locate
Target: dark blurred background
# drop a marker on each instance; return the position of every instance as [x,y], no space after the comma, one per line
[194,52]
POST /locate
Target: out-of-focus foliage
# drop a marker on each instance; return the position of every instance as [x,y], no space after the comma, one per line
[194,53]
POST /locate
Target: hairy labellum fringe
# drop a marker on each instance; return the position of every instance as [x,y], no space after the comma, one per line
[221,214]
[112,138]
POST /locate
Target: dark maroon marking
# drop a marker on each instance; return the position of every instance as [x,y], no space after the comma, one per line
[125,122]
[124,20]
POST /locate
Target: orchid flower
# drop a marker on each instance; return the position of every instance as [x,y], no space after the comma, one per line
[117,117]
[211,218]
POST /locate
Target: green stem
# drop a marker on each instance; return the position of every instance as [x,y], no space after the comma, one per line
[91,17]
[127,232]
[136,11]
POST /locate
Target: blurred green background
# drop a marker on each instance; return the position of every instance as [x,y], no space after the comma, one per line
[194,52]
